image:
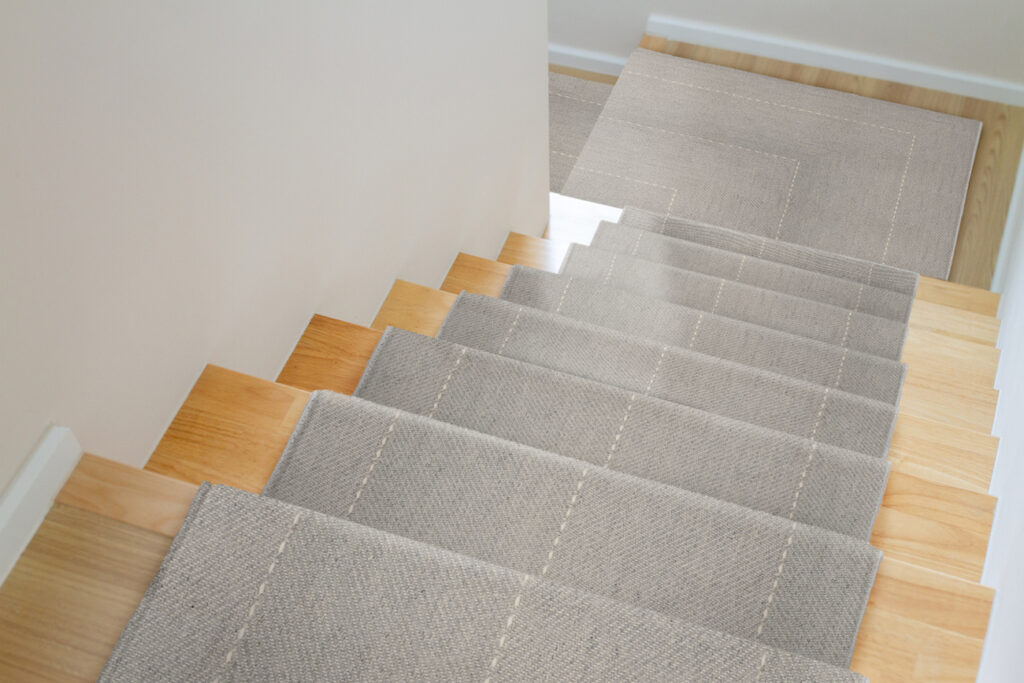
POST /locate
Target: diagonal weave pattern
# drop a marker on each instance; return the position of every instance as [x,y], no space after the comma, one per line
[795,163]
[752,466]
[582,524]
[751,270]
[679,375]
[257,590]
[712,334]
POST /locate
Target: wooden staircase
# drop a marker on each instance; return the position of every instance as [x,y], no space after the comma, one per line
[72,592]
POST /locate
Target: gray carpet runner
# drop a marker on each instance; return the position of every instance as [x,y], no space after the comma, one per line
[806,258]
[846,174]
[750,270]
[812,319]
[573,107]
[662,463]
[686,377]
[782,474]
[712,334]
[588,527]
[253,589]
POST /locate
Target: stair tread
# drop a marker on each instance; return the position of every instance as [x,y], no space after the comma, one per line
[967,397]
[914,614]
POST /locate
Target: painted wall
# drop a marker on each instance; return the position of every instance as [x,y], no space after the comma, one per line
[1004,566]
[186,182]
[981,38]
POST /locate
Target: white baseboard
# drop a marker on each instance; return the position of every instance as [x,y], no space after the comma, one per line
[588,60]
[848,61]
[29,496]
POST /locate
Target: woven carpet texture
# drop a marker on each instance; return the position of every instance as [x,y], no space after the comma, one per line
[806,258]
[804,317]
[678,375]
[795,163]
[663,462]
[793,477]
[750,270]
[253,589]
[715,335]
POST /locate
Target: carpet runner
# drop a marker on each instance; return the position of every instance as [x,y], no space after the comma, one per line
[794,477]
[663,462]
[712,334]
[834,171]
[258,590]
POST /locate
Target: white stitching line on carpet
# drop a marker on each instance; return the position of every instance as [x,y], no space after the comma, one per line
[568,512]
[444,387]
[774,104]
[697,137]
[778,232]
[373,463]
[515,321]
[899,196]
[259,594]
[578,99]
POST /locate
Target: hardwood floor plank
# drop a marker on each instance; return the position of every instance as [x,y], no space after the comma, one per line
[424,306]
[231,429]
[315,365]
[71,593]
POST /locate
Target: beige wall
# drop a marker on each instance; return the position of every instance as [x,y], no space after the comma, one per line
[985,37]
[188,181]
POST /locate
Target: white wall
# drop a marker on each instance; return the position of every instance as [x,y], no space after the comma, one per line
[982,37]
[1004,566]
[187,181]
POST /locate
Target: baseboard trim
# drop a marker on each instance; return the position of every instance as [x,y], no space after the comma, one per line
[848,61]
[28,498]
[588,60]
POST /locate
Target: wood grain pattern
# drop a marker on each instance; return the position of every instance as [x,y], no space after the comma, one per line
[995,164]
[314,365]
[128,494]
[231,430]
[963,397]
[934,523]
[71,593]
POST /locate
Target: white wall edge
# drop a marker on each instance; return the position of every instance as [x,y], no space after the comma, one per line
[1011,233]
[859,63]
[30,494]
[588,60]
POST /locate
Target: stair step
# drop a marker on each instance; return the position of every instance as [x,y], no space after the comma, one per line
[128,494]
[927,449]
[932,391]
[949,613]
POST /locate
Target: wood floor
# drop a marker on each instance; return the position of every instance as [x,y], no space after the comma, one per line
[77,584]
[995,164]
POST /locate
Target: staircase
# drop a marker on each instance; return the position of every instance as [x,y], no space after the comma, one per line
[76,586]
